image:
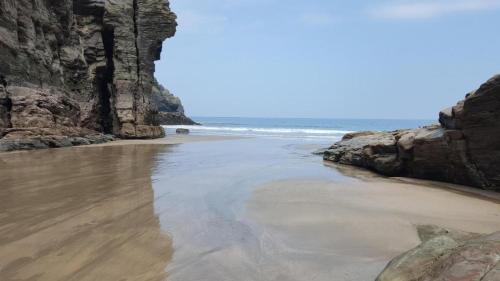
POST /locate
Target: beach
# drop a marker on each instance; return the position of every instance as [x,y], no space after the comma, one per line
[213,208]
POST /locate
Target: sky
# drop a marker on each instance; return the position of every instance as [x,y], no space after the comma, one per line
[403,59]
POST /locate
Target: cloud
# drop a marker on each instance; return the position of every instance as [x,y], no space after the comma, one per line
[415,10]
[317,19]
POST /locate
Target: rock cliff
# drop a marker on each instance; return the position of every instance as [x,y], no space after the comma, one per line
[169,107]
[463,149]
[75,70]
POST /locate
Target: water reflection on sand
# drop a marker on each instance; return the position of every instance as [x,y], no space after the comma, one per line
[81,214]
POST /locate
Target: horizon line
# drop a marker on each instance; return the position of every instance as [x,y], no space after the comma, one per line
[341,118]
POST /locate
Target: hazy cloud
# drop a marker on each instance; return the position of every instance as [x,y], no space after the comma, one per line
[412,10]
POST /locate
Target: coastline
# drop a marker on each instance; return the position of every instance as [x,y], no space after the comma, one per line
[103,176]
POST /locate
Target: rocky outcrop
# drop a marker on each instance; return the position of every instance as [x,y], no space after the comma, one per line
[447,255]
[78,69]
[169,107]
[463,149]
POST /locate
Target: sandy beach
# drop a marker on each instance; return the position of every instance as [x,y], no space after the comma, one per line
[213,208]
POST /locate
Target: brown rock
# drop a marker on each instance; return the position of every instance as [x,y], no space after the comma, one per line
[447,255]
[376,151]
[464,149]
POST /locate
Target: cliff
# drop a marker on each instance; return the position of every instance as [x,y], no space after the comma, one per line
[169,107]
[464,148]
[75,70]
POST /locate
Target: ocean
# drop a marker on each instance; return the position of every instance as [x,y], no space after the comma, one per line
[297,128]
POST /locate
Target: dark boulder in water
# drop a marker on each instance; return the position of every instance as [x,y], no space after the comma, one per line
[464,148]
[181,131]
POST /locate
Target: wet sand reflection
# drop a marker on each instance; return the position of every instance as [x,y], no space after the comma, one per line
[81,214]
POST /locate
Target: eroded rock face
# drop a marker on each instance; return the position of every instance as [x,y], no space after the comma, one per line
[463,149]
[169,107]
[86,65]
[448,255]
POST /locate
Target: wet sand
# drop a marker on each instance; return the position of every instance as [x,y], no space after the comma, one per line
[81,214]
[355,228]
[238,209]
[169,140]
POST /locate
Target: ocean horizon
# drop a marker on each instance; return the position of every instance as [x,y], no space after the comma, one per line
[301,128]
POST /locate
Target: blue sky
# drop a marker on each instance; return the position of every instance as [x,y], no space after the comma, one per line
[329,58]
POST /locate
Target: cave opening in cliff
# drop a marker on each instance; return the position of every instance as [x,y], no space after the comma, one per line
[105,82]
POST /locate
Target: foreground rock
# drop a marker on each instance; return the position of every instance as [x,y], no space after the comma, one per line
[447,255]
[463,149]
[78,68]
[170,109]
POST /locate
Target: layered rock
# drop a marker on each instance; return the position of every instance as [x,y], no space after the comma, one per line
[447,255]
[169,107]
[463,149]
[79,68]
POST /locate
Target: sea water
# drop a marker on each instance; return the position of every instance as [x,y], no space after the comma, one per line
[296,128]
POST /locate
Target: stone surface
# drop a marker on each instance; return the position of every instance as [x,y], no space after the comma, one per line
[169,107]
[447,255]
[81,66]
[174,118]
[181,131]
[464,148]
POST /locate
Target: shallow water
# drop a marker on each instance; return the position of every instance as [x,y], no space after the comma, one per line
[244,209]
[206,187]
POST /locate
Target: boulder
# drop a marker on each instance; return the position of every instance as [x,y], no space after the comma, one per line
[447,255]
[373,150]
[181,131]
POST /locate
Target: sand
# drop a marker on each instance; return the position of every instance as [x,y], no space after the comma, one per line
[238,209]
[363,224]
[80,214]
[169,140]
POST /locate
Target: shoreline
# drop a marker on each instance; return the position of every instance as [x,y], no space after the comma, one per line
[368,176]
[168,140]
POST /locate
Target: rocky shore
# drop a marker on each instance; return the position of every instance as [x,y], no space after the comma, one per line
[464,148]
[79,71]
